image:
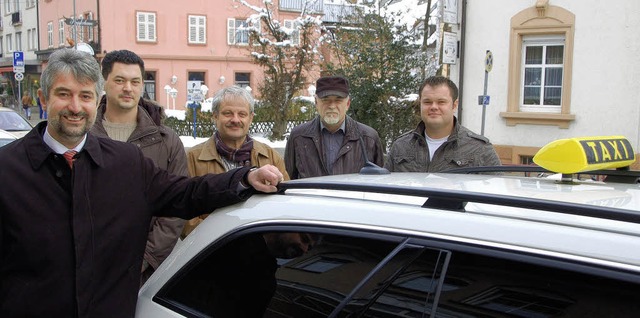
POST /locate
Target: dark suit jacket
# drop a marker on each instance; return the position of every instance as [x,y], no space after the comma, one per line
[71,242]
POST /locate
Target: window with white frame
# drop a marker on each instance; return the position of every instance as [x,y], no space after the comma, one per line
[16,5]
[50,34]
[7,6]
[34,39]
[29,47]
[146,29]
[1,45]
[61,38]
[242,79]
[9,39]
[238,31]
[294,31]
[31,3]
[543,70]
[18,41]
[197,29]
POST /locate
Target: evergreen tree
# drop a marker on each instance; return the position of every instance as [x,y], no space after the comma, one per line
[382,59]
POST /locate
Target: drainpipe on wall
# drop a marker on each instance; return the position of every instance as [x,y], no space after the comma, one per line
[463,28]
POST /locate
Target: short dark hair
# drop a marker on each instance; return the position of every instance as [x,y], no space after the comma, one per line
[435,81]
[120,56]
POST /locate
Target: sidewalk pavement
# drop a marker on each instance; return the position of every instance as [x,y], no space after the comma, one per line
[35,115]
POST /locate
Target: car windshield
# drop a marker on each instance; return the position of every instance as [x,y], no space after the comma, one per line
[11,121]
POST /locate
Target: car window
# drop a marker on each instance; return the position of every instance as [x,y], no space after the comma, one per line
[353,274]
[11,121]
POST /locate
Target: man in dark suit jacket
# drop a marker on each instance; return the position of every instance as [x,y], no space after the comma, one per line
[74,222]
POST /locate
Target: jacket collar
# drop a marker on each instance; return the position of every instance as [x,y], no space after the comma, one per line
[38,151]
[145,125]
[452,137]
[313,129]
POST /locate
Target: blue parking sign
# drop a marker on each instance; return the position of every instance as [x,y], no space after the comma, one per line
[18,62]
[18,58]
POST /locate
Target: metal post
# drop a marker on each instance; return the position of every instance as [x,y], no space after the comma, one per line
[75,29]
[484,105]
[484,99]
[20,96]
[194,107]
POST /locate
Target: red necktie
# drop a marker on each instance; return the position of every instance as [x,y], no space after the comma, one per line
[69,157]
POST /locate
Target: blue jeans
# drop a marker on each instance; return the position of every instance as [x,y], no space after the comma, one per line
[27,112]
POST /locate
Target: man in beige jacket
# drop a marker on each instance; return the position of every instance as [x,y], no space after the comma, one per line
[230,146]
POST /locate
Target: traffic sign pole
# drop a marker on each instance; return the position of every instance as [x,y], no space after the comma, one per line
[488,65]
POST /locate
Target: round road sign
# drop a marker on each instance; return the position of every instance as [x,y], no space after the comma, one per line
[488,62]
[19,76]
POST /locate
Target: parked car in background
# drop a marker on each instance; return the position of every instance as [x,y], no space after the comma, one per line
[6,138]
[417,245]
[13,122]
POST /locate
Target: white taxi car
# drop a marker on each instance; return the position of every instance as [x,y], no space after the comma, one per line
[420,245]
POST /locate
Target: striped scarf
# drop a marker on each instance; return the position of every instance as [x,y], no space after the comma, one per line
[240,156]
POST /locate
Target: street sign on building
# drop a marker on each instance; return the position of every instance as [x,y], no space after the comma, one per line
[449,48]
[18,62]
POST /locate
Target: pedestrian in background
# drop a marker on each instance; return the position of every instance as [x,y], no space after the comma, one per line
[230,146]
[439,142]
[27,102]
[43,113]
[74,249]
[124,116]
[331,143]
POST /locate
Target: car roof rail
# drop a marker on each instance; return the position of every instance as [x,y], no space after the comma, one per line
[619,175]
[455,199]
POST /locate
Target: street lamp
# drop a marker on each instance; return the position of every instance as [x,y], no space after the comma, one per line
[167,89]
[174,93]
[204,89]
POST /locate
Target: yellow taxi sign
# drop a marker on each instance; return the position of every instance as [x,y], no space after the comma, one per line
[575,155]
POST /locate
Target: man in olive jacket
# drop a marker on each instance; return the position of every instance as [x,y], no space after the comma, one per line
[331,143]
[125,116]
[439,143]
[73,227]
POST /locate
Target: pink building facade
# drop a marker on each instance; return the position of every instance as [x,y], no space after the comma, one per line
[182,42]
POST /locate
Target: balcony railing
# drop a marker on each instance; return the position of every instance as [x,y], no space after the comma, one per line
[312,6]
[16,18]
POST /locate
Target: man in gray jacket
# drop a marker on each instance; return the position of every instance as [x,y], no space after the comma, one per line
[332,143]
[439,143]
[125,116]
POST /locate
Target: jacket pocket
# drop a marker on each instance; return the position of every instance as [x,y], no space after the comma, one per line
[461,162]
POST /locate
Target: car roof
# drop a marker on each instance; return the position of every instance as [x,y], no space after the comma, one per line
[352,201]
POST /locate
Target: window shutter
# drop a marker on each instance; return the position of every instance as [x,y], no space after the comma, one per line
[142,30]
[202,30]
[192,29]
[231,31]
[152,27]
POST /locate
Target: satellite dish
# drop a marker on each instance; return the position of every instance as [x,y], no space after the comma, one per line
[84,47]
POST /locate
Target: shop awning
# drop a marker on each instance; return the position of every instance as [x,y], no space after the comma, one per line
[6,69]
